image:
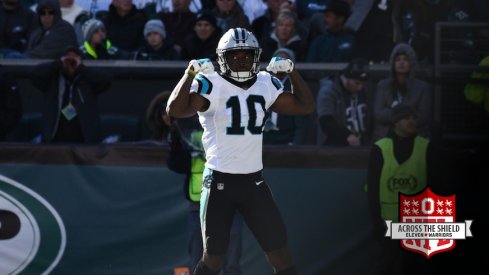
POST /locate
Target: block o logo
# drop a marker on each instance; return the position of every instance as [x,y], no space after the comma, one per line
[32,234]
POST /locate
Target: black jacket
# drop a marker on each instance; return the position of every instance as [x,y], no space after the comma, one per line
[166,52]
[194,48]
[126,33]
[16,26]
[178,25]
[88,84]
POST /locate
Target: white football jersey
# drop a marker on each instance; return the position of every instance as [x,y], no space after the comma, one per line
[233,123]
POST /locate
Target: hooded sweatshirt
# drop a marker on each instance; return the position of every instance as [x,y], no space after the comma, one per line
[50,43]
[415,92]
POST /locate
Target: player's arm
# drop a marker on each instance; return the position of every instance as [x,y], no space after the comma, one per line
[182,103]
[300,101]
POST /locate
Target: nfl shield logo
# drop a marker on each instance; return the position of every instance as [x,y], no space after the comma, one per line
[220,186]
[427,207]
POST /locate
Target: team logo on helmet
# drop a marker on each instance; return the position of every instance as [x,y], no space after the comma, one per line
[238,39]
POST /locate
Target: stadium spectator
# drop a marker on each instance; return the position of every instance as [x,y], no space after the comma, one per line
[314,20]
[70,113]
[157,47]
[284,35]
[179,23]
[10,104]
[203,41]
[194,6]
[336,45]
[402,153]
[344,106]
[479,93]
[377,27]
[402,87]
[54,34]
[125,25]
[262,26]
[420,18]
[229,14]
[253,8]
[308,9]
[157,119]
[75,15]
[16,25]
[96,46]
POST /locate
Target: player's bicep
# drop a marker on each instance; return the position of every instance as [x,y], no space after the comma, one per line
[285,104]
[198,103]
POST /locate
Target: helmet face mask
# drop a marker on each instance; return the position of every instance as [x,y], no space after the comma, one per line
[240,60]
[234,40]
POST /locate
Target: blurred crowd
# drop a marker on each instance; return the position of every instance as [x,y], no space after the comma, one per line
[351,110]
[317,31]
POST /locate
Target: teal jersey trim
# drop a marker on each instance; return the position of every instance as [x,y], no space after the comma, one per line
[205,86]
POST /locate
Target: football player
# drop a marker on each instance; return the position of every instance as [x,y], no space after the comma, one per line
[232,106]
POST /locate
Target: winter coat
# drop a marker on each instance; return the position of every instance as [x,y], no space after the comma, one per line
[15,27]
[87,85]
[166,52]
[235,19]
[194,48]
[332,102]
[50,43]
[178,26]
[271,44]
[125,33]
[418,95]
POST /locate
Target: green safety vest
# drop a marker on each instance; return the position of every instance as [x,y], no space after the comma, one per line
[91,51]
[479,93]
[408,178]
[197,164]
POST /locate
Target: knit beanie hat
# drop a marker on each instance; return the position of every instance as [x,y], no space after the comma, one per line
[155,25]
[90,27]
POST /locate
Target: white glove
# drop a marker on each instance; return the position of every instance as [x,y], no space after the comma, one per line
[202,66]
[279,64]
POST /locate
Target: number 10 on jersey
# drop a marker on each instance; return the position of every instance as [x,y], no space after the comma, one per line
[251,103]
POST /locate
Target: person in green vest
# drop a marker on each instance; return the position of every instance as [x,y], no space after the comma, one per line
[402,154]
[478,93]
[96,46]
[187,157]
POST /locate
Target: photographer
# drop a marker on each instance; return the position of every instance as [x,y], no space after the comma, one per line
[70,112]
